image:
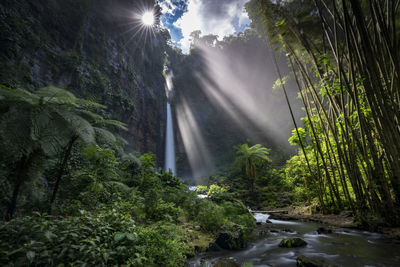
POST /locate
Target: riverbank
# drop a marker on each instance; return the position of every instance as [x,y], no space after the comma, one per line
[329,246]
[344,220]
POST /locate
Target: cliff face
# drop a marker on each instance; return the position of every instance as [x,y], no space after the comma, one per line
[228,87]
[93,49]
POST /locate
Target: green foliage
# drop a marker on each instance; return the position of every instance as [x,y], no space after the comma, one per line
[38,125]
[217,193]
[294,140]
[202,189]
[235,211]
[261,192]
[209,221]
[112,208]
[158,246]
[345,152]
[250,157]
[108,236]
[292,243]
[89,238]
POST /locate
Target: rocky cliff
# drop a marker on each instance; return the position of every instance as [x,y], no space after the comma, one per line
[94,49]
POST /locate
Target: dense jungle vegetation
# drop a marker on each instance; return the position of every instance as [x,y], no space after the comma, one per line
[82,127]
[344,58]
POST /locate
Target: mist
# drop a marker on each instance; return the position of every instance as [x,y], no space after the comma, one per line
[227,87]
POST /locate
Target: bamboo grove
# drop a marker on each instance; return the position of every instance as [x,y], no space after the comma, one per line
[348,80]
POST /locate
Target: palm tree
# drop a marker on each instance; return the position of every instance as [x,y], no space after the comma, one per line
[249,157]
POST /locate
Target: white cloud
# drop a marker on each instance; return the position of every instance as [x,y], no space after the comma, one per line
[168,7]
[211,17]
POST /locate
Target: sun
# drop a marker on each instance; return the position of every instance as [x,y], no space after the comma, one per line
[148,18]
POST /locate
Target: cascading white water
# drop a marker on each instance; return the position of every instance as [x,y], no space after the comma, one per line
[169,143]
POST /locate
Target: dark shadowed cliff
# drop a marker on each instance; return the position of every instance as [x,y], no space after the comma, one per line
[91,48]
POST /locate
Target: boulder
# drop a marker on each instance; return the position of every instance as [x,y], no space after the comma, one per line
[268,221]
[232,237]
[214,247]
[292,243]
[287,230]
[230,240]
[303,261]
[322,230]
[226,263]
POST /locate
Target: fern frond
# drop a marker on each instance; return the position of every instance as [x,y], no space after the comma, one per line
[91,116]
[112,123]
[78,125]
[105,135]
[18,95]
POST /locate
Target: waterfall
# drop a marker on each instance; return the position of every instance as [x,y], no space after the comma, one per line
[169,143]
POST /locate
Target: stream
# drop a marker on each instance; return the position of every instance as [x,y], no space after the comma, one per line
[343,247]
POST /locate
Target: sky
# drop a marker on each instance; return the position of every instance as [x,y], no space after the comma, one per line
[219,17]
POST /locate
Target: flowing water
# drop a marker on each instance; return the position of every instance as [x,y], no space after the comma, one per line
[344,247]
[169,143]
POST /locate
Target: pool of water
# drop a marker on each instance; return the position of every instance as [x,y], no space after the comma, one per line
[344,247]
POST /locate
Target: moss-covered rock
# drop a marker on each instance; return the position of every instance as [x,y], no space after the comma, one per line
[303,261]
[232,237]
[292,243]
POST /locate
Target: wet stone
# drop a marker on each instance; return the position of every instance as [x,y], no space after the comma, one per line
[287,230]
[303,261]
[292,243]
[214,247]
[322,230]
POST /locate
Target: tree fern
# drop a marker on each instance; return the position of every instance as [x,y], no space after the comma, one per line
[44,123]
[248,157]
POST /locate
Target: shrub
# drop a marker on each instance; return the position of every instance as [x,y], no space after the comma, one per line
[158,246]
[236,211]
[210,216]
[218,193]
[202,189]
[103,238]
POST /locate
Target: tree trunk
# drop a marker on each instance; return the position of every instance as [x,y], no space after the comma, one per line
[17,185]
[13,203]
[60,173]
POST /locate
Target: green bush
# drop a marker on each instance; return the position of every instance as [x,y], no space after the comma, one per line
[165,211]
[158,246]
[219,193]
[210,216]
[103,238]
[202,189]
[235,211]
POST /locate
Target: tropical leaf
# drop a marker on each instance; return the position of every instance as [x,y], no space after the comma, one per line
[104,134]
